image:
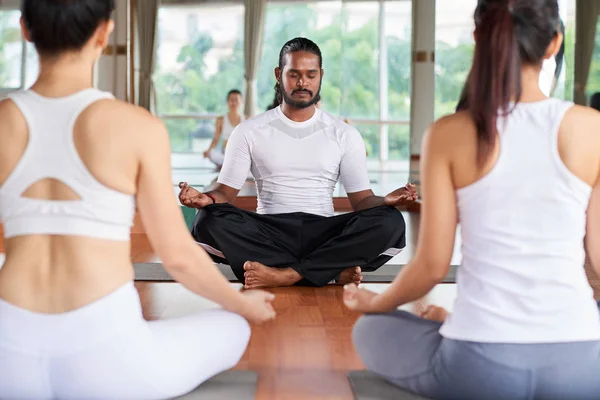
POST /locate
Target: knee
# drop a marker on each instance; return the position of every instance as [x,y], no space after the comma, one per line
[239,327]
[204,219]
[359,331]
[203,216]
[391,223]
[366,341]
[395,217]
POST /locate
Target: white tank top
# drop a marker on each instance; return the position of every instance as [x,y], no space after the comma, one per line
[100,212]
[228,127]
[522,278]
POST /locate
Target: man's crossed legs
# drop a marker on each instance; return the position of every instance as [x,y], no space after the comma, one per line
[299,248]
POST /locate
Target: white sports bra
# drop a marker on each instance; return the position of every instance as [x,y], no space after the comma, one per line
[100,212]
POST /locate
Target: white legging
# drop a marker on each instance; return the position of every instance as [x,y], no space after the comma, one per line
[106,350]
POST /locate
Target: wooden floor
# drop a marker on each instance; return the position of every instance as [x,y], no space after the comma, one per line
[305,353]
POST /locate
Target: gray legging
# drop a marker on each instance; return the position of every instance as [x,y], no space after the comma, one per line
[409,352]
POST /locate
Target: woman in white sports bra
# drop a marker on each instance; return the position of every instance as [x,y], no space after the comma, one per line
[520,172]
[224,126]
[74,162]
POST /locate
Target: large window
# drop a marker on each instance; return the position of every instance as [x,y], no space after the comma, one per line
[200,57]
[357,84]
[348,36]
[566,80]
[18,60]
[593,84]
[454,51]
[366,58]
[11,50]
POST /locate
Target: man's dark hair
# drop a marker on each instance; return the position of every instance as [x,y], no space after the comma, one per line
[293,46]
[233,91]
[274,104]
[56,26]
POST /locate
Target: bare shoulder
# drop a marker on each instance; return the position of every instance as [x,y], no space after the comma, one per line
[8,110]
[5,105]
[123,119]
[582,118]
[12,119]
[582,124]
[451,131]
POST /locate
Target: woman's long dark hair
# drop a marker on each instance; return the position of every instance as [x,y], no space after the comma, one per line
[509,34]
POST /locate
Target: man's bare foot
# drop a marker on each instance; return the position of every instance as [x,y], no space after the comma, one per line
[350,275]
[434,313]
[258,275]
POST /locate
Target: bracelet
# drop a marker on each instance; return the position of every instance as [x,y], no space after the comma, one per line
[212,197]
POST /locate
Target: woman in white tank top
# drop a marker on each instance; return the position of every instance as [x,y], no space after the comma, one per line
[224,126]
[520,173]
[74,163]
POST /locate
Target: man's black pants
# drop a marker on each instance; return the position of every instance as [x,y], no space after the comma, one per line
[318,248]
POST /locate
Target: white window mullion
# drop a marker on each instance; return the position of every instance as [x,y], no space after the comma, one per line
[383,86]
[23,63]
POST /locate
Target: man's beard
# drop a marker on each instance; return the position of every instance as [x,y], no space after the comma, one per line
[301,104]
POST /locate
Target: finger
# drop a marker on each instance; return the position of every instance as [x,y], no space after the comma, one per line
[351,304]
[349,294]
[188,190]
[189,198]
[197,202]
[184,192]
[349,297]
[350,288]
[268,299]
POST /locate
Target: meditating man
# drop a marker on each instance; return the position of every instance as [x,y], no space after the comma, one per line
[296,154]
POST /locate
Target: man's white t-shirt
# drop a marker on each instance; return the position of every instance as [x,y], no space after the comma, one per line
[296,165]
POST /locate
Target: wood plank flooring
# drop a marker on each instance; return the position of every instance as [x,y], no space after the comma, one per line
[306,352]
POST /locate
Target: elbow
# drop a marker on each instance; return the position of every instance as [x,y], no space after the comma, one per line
[437,271]
[176,261]
[175,266]
[433,266]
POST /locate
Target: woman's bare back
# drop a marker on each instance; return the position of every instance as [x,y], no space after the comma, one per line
[61,273]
